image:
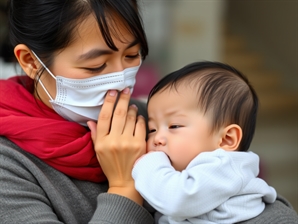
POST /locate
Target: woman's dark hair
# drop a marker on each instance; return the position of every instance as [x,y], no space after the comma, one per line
[223,92]
[46,26]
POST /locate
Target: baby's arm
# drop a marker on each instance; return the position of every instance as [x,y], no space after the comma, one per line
[192,192]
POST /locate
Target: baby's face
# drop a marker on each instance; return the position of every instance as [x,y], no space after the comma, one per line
[177,126]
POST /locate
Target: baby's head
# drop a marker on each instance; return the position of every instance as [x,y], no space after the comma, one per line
[217,91]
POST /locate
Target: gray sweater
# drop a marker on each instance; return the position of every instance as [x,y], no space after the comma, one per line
[33,192]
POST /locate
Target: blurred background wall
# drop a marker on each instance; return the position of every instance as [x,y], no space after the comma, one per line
[257,37]
[271,28]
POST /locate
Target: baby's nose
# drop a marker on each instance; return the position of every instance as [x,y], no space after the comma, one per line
[160,140]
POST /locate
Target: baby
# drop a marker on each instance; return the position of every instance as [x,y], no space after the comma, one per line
[198,168]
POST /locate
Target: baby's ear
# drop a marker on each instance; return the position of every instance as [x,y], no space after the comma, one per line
[231,137]
[26,60]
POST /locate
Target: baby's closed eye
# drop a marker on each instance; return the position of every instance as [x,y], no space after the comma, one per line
[175,126]
[152,130]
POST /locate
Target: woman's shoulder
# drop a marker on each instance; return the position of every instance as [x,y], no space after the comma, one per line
[19,164]
[8,149]
[279,212]
[12,153]
[15,161]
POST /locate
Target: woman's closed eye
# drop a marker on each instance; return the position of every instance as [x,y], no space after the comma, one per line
[135,56]
[97,69]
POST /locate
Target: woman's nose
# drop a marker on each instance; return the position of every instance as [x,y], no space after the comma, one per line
[118,66]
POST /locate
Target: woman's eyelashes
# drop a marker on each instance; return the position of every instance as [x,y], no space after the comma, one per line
[135,56]
[97,69]
[102,67]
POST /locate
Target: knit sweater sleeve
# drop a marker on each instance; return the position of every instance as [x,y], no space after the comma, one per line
[33,192]
[195,191]
[112,208]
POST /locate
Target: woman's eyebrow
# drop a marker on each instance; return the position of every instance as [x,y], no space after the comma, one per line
[135,42]
[94,53]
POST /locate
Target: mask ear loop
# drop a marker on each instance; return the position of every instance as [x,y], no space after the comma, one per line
[46,68]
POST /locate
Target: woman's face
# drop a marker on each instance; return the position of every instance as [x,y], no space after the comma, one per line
[88,55]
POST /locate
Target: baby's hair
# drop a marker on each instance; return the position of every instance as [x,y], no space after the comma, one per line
[224,93]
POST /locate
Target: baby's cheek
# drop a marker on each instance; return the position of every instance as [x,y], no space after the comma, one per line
[149,146]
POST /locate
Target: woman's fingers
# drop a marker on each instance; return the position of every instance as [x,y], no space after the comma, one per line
[120,113]
[119,138]
[140,128]
[106,113]
[131,119]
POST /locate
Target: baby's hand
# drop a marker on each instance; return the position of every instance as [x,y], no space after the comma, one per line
[142,157]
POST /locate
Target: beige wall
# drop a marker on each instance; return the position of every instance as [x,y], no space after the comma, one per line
[183,31]
[196,32]
[271,27]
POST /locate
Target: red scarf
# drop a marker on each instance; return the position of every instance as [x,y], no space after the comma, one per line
[39,130]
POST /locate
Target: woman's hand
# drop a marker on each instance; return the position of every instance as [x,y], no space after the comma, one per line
[119,140]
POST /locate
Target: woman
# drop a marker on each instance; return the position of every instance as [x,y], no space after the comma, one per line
[72,53]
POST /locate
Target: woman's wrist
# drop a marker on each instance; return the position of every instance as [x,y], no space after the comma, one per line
[128,192]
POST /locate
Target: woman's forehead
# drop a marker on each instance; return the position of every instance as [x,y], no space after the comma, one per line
[89,28]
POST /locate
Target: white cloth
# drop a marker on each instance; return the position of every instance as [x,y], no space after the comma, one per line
[216,187]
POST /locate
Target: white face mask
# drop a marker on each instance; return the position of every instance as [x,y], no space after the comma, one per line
[80,100]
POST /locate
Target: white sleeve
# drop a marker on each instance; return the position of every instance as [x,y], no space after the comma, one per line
[208,181]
